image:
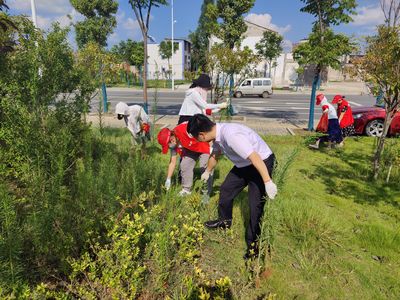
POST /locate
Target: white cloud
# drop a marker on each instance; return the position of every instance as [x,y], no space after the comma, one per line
[265,20]
[287,46]
[43,7]
[368,15]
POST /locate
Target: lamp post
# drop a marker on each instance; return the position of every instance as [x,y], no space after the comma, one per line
[172,45]
[33,8]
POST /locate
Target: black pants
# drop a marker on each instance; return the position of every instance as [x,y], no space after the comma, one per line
[235,182]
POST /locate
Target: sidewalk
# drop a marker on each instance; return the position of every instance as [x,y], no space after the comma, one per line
[331,88]
[263,126]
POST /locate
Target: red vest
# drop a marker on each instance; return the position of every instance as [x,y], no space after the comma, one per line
[188,142]
[347,119]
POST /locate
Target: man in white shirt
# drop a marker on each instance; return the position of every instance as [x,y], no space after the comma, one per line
[254,163]
[136,120]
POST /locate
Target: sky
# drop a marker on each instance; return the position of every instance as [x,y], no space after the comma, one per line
[283,16]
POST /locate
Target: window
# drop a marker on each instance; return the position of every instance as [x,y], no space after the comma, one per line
[246,83]
[267,82]
[257,82]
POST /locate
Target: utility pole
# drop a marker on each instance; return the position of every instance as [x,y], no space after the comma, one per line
[172,45]
[33,8]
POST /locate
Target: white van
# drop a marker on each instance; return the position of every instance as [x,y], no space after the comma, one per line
[254,86]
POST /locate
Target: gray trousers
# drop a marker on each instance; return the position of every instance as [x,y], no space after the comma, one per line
[189,159]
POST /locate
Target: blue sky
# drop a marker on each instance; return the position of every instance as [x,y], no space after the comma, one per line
[281,15]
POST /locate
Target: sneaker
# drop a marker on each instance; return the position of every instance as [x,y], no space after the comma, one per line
[184,192]
[224,224]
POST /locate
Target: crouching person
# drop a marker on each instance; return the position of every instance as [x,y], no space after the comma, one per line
[190,150]
[254,164]
[136,120]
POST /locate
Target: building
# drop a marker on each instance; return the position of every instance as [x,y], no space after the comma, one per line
[158,67]
[284,72]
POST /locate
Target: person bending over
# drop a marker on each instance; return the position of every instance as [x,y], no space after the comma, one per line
[253,167]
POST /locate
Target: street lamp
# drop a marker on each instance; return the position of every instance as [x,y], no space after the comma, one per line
[33,8]
[172,45]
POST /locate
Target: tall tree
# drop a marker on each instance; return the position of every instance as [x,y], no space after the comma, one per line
[99,21]
[6,40]
[381,66]
[270,47]
[165,50]
[130,52]
[200,38]
[231,25]
[316,51]
[142,9]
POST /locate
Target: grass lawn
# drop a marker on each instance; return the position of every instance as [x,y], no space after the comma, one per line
[334,233]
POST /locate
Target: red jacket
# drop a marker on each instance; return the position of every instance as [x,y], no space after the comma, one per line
[188,142]
[345,108]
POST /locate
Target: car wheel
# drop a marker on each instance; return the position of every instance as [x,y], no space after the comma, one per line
[374,128]
[238,94]
[265,95]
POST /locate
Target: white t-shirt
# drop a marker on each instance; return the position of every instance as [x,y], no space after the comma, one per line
[134,117]
[195,104]
[237,142]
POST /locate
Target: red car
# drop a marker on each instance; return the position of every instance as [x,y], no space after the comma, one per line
[369,121]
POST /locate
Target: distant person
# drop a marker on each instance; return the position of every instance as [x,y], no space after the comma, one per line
[334,137]
[195,101]
[345,113]
[178,142]
[136,120]
[253,166]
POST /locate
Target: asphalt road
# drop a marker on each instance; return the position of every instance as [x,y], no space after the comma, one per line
[293,107]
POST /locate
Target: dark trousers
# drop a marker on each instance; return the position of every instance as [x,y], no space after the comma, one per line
[235,182]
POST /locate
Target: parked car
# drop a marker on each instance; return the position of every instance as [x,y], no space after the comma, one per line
[369,121]
[254,86]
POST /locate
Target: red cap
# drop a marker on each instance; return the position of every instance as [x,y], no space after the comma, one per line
[320,97]
[336,99]
[163,139]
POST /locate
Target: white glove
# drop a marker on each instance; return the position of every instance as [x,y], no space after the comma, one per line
[167,184]
[205,175]
[271,189]
[223,105]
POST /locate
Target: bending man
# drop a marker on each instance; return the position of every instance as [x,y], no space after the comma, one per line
[254,163]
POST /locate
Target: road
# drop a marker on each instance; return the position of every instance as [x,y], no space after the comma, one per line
[293,107]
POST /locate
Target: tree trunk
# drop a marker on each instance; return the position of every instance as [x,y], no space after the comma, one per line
[270,68]
[381,144]
[146,105]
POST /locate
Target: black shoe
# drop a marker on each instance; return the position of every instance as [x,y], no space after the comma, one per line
[224,224]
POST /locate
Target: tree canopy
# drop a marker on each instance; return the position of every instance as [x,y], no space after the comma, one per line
[99,21]
[165,49]
[270,46]
[130,52]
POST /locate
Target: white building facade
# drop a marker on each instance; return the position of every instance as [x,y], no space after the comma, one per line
[284,73]
[158,67]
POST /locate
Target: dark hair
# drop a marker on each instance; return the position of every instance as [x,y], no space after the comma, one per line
[199,123]
[203,81]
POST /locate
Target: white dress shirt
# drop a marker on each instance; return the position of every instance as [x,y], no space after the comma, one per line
[237,142]
[195,104]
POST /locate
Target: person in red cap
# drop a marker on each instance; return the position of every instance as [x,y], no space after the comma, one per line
[178,142]
[334,132]
[195,101]
[346,120]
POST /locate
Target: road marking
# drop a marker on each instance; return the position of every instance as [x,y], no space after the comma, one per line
[296,103]
[355,103]
[300,108]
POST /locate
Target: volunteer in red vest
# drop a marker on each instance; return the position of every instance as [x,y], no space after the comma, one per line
[345,113]
[334,137]
[195,101]
[190,150]
[136,120]
[253,166]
